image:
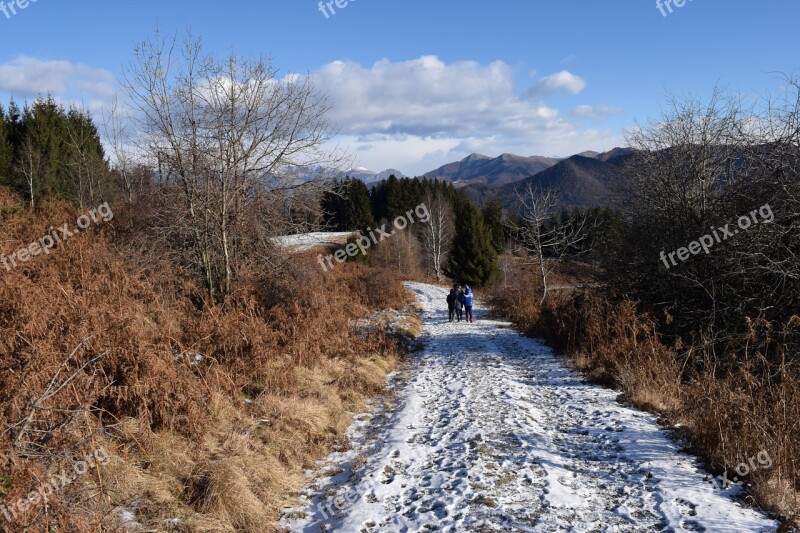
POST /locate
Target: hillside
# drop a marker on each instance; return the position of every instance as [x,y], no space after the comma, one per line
[579,181]
[478,169]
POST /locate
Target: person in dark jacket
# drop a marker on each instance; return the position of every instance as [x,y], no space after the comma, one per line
[451,304]
[459,303]
[469,300]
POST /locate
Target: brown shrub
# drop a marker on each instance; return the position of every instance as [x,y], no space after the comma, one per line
[101,345]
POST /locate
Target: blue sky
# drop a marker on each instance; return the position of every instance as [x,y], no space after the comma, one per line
[418,83]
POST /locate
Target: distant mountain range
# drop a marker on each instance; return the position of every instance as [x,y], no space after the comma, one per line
[370,177]
[583,180]
[299,174]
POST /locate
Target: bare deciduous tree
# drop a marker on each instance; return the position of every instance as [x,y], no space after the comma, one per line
[437,233]
[545,238]
[400,252]
[86,167]
[702,166]
[229,137]
[31,166]
[132,175]
[683,161]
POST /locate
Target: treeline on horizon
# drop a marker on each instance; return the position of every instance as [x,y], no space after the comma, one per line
[481,235]
[472,246]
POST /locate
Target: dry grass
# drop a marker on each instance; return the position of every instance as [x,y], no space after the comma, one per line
[210,414]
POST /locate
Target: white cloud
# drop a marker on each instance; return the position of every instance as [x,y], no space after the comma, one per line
[564,81]
[418,114]
[426,97]
[26,77]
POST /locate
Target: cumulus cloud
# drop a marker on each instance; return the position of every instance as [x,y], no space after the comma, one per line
[426,97]
[564,81]
[418,114]
[27,77]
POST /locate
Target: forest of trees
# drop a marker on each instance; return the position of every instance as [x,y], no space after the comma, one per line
[46,150]
[458,241]
[466,242]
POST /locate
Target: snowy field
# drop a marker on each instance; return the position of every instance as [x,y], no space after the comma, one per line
[308,241]
[491,432]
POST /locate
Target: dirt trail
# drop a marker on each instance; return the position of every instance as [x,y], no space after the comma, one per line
[494,433]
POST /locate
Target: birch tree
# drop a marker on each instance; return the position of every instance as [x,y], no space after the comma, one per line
[437,233]
[546,239]
[31,165]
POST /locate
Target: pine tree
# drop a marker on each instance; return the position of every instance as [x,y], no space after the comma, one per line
[358,208]
[473,259]
[88,177]
[14,125]
[493,220]
[44,126]
[384,194]
[347,207]
[6,150]
[56,152]
[332,204]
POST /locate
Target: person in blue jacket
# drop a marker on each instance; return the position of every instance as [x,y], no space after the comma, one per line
[469,300]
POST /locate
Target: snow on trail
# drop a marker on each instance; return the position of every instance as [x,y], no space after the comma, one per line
[493,433]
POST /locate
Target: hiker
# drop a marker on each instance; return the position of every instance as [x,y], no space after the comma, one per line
[459,303]
[451,304]
[469,299]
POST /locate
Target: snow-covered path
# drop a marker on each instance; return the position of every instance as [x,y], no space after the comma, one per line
[493,433]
